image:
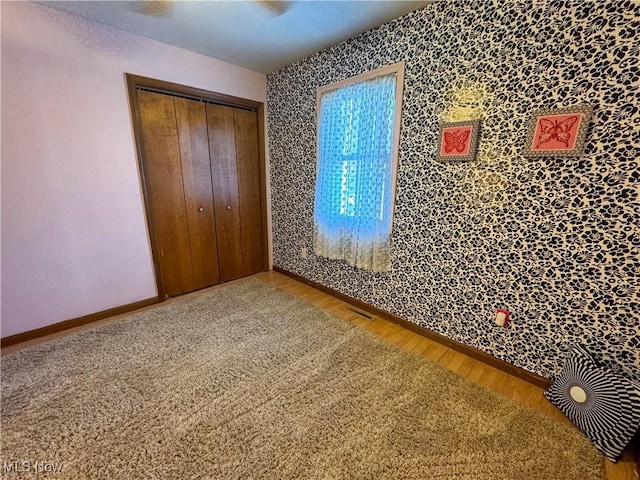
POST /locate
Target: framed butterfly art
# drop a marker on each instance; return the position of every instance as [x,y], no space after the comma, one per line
[458,141]
[558,132]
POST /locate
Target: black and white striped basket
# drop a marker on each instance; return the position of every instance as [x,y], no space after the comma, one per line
[601,403]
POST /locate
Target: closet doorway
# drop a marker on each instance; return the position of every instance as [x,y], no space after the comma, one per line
[201,161]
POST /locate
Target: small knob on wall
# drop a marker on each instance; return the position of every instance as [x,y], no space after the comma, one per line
[201,209]
[228,207]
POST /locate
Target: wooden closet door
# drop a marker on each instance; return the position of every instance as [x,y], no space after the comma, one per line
[249,192]
[198,193]
[201,166]
[164,190]
[222,148]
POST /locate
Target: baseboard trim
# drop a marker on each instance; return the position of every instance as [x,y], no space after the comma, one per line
[472,352]
[75,322]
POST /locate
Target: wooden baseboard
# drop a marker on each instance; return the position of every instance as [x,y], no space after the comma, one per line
[75,322]
[447,342]
[637,450]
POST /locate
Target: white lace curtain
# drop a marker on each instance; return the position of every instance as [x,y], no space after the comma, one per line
[354,182]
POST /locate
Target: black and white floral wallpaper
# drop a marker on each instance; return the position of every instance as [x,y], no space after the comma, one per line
[554,240]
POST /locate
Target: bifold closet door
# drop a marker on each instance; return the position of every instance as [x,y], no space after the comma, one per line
[233,146]
[249,193]
[179,192]
[222,149]
[198,192]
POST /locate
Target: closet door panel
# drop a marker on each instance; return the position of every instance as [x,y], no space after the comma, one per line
[165,193]
[222,148]
[249,191]
[198,194]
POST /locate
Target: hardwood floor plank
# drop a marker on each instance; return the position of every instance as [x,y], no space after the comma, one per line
[433,351]
[413,339]
[526,394]
[457,362]
[419,346]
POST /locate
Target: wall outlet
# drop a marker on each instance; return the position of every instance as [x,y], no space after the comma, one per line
[502,318]
[303,252]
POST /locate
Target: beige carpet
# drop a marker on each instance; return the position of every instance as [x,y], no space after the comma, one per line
[247,382]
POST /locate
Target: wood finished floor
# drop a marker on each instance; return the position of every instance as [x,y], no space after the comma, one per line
[504,384]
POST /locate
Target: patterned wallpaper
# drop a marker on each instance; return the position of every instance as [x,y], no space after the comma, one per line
[554,240]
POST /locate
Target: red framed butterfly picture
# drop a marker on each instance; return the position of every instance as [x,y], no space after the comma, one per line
[458,141]
[558,132]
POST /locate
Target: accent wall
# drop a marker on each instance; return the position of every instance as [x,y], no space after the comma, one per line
[554,240]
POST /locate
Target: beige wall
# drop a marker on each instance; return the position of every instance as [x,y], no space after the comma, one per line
[74,238]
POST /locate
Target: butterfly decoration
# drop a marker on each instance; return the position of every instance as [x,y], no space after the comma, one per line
[559,131]
[556,130]
[456,140]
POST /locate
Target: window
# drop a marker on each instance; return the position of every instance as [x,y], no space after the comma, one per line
[358,134]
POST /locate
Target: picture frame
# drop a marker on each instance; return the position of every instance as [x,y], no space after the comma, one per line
[458,141]
[558,132]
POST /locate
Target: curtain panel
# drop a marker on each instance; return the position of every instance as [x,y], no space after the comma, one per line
[354,183]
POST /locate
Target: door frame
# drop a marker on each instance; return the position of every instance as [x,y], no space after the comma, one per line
[160,86]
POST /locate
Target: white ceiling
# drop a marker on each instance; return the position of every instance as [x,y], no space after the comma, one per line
[248,33]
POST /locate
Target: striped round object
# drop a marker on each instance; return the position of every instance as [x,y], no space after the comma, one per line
[601,403]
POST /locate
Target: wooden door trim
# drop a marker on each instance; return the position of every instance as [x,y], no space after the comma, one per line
[133,83]
[192,92]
